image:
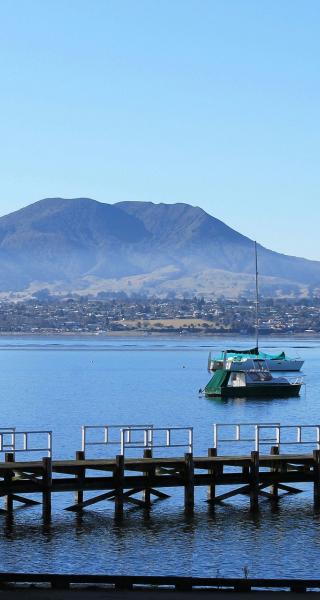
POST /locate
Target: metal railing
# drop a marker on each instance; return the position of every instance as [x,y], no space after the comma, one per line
[107,438]
[25,441]
[238,433]
[280,438]
[149,438]
[7,438]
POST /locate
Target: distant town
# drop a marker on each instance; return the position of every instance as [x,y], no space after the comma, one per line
[156,316]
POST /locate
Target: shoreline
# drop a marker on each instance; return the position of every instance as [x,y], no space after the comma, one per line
[147,335]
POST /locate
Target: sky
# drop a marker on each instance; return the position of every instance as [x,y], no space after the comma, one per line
[213,103]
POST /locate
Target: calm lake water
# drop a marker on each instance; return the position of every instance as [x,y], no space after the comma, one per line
[63,383]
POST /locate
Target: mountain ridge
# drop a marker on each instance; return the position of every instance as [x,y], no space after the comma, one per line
[59,244]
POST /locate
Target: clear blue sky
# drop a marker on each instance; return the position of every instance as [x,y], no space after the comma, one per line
[214,103]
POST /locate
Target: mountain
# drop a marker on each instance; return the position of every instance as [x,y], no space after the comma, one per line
[85,246]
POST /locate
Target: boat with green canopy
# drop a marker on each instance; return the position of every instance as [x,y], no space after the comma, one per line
[258,383]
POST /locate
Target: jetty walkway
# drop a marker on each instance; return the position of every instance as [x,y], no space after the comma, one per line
[140,481]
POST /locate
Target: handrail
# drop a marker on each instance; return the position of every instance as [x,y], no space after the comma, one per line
[7,431]
[25,436]
[238,432]
[148,438]
[280,429]
[106,431]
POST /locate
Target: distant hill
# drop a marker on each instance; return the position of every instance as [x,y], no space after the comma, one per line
[84,246]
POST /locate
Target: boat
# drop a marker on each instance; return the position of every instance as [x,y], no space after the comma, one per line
[251,382]
[240,360]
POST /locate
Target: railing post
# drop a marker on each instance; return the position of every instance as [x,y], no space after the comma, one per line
[254,482]
[278,436]
[257,438]
[168,442]
[47,485]
[191,439]
[145,438]
[122,443]
[215,436]
[299,436]
[189,482]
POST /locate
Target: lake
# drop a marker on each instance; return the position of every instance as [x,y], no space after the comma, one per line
[61,384]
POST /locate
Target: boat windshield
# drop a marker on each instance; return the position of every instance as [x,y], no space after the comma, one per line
[259,376]
[237,379]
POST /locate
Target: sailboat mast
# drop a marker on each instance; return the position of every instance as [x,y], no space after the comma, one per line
[257,296]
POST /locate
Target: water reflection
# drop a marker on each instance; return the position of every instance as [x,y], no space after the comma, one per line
[251,400]
[200,544]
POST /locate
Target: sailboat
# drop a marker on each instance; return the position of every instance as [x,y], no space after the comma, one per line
[242,360]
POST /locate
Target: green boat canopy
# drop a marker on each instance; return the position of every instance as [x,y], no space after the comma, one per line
[243,355]
[251,351]
[219,380]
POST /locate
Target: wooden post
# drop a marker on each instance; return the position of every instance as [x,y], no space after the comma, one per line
[8,503]
[188,482]
[80,478]
[245,472]
[254,481]
[118,485]
[47,485]
[274,487]
[212,471]
[146,494]
[316,480]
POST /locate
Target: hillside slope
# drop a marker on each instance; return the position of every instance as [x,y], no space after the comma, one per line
[81,244]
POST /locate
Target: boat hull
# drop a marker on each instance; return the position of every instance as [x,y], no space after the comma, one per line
[258,391]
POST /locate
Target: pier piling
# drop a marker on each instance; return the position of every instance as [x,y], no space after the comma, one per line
[274,488]
[254,482]
[8,502]
[212,452]
[146,494]
[118,485]
[47,485]
[189,482]
[316,481]
[81,475]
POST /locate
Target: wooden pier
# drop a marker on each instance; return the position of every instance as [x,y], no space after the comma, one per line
[139,481]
